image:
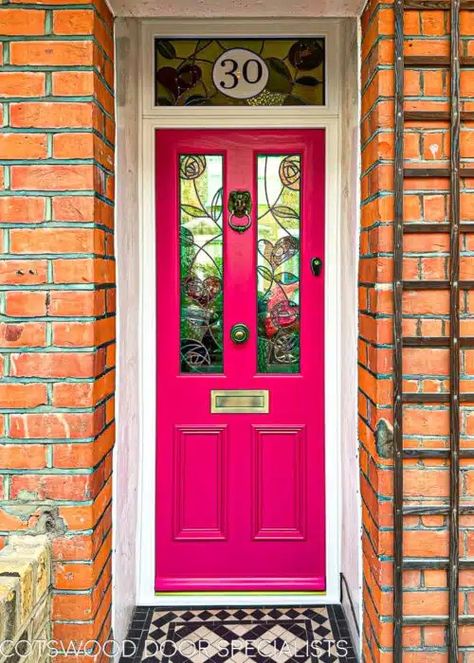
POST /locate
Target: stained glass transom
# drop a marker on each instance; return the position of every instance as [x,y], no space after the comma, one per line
[255,72]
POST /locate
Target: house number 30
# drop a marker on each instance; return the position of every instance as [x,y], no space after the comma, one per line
[240,74]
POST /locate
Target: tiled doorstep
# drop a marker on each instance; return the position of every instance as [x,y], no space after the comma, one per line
[155,634]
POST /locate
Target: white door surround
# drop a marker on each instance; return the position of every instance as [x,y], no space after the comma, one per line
[329,117]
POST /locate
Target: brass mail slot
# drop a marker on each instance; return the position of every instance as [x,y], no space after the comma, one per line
[239,401]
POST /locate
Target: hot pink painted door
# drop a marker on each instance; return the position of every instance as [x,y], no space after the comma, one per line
[240,495]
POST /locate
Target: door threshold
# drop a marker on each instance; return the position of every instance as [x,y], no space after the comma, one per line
[215,599]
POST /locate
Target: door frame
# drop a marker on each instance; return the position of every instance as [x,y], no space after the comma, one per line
[326,117]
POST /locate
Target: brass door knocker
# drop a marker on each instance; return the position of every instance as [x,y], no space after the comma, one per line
[240,206]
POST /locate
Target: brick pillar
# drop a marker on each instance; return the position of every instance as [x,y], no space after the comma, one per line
[425,313]
[375,326]
[57,297]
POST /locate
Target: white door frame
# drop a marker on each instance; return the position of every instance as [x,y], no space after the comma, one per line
[151,118]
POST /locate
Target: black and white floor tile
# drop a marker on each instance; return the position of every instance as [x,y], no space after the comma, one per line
[239,635]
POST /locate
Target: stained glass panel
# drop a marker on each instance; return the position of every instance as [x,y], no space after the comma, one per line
[201,263]
[278,265]
[255,72]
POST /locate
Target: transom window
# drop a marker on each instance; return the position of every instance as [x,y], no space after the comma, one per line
[243,72]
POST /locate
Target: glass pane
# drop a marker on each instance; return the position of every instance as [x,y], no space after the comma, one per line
[278,280]
[254,72]
[201,263]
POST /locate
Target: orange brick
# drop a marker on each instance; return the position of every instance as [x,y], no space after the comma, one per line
[84,271]
[73,146]
[27,334]
[59,53]
[25,304]
[73,83]
[57,240]
[51,115]
[74,208]
[22,84]
[22,146]
[57,364]
[22,22]
[77,302]
[427,421]
[433,22]
[23,272]
[425,361]
[22,456]
[53,178]
[46,487]
[84,454]
[73,22]
[16,209]
[66,425]
[84,334]
[22,395]
[84,394]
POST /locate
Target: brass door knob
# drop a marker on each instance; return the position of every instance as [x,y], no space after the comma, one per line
[239,333]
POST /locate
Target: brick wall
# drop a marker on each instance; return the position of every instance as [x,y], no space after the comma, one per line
[425,313]
[57,297]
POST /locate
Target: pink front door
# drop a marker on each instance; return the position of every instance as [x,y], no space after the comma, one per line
[240,360]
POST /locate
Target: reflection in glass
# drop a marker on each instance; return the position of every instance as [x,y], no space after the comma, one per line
[278,268]
[201,263]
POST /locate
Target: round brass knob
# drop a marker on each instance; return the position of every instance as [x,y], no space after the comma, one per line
[239,333]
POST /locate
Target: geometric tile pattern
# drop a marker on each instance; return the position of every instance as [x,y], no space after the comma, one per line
[239,635]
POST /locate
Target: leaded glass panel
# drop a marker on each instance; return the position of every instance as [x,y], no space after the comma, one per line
[201,263]
[254,72]
[278,265]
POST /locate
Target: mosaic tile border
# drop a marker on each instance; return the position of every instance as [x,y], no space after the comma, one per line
[175,621]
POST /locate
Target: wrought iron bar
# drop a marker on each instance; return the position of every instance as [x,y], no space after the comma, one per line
[438,172]
[397,340]
[435,453]
[408,397]
[435,116]
[456,173]
[439,227]
[436,285]
[436,342]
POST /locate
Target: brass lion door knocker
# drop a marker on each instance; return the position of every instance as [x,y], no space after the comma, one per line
[240,207]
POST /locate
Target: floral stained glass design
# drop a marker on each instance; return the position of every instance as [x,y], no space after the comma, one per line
[278,265]
[201,263]
[294,70]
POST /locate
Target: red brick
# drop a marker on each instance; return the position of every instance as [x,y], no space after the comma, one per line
[53,178]
[22,83]
[67,425]
[22,146]
[73,22]
[22,334]
[16,209]
[57,240]
[22,395]
[77,302]
[25,304]
[22,456]
[51,115]
[60,53]
[57,364]
[21,22]
[84,271]
[23,272]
